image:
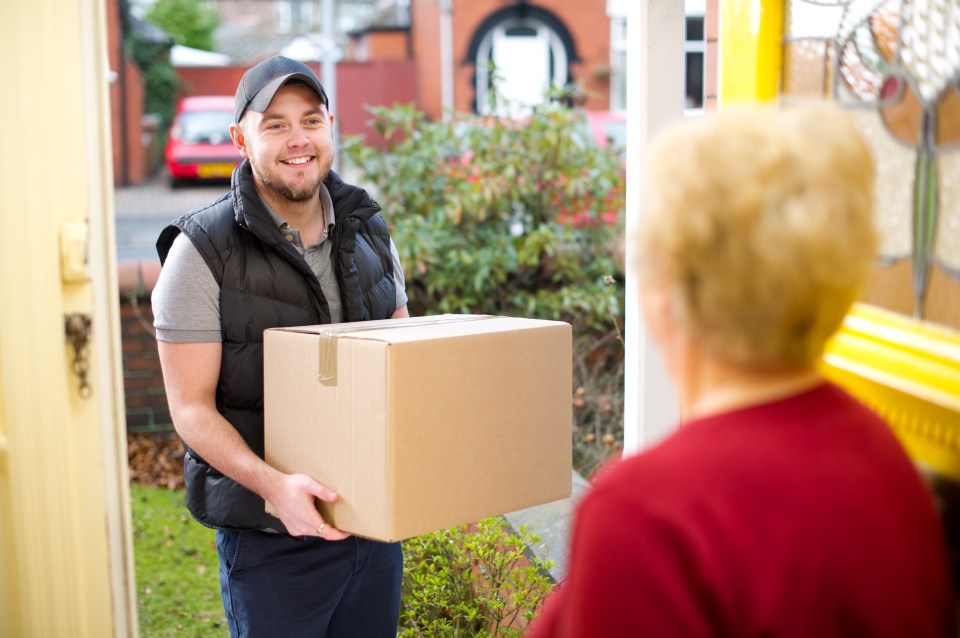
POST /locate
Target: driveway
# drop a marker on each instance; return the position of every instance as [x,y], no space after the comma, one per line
[143,210]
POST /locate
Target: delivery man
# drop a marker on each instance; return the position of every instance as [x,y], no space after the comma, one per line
[290,244]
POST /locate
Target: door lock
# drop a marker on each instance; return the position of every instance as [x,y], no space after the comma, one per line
[77,326]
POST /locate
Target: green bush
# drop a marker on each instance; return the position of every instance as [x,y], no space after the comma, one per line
[512,217]
[471,582]
[500,216]
[160,81]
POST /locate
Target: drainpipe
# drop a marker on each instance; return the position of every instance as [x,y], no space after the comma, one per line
[122,96]
[446,57]
[329,72]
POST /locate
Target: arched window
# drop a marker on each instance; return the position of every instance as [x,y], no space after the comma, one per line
[519,53]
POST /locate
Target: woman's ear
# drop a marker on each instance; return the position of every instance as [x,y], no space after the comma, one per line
[657,304]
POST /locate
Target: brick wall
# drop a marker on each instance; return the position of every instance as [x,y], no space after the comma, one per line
[146,401]
[385,45]
[132,163]
[425,36]
[586,20]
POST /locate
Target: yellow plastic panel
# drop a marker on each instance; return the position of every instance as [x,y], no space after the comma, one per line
[909,372]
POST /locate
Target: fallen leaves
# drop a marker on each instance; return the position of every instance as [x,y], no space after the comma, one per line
[156,458]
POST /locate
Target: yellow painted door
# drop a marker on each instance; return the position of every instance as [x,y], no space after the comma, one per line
[65,544]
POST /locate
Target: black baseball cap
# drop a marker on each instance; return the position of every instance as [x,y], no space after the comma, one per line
[261,82]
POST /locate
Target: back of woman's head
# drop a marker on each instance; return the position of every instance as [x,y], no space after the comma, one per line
[760,219]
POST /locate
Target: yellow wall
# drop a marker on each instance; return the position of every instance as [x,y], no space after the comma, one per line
[65,551]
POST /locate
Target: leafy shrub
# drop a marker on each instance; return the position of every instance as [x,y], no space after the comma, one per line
[597,402]
[500,216]
[510,217]
[471,583]
[160,82]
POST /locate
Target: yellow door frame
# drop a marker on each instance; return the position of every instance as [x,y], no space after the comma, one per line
[66,559]
[751,50]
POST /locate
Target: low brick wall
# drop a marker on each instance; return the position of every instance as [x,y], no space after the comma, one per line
[146,401]
[145,398]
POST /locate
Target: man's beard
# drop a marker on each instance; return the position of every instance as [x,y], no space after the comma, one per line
[302,194]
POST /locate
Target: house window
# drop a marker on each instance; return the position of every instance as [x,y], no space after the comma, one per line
[517,62]
[618,64]
[694,49]
[293,16]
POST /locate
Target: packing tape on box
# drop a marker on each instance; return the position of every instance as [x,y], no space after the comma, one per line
[328,338]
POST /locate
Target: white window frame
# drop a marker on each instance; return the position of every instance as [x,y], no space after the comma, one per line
[695,46]
[292,15]
[618,63]
[560,62]
[283,16]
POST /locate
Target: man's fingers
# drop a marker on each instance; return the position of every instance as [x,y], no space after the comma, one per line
[307,485]
[324,493]
[330,533]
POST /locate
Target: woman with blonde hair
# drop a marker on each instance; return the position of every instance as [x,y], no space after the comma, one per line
[781,506]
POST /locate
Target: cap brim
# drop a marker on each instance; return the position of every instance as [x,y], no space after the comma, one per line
[261,101]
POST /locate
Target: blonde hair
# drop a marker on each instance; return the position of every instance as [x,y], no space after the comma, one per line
[760,219]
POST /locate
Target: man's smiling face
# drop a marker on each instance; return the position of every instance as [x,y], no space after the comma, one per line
[290,144]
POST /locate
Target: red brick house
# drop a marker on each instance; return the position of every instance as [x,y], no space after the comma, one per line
[436,54]
[533,45]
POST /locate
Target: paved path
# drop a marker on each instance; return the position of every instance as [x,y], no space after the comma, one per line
[143,210]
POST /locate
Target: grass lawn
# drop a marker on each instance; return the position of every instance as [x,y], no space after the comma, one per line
[178,585]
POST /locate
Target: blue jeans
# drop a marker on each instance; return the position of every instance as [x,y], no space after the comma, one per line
[275,585]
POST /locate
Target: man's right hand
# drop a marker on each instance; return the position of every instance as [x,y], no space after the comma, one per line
[293,497]
[190,373]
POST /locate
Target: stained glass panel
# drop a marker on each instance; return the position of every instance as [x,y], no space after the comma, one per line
[894,161]
[803,68]
[896,63]
[948,237]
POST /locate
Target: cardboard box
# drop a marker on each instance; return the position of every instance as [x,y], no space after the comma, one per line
[425,423]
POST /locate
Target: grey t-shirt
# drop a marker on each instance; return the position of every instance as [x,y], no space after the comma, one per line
[186,299]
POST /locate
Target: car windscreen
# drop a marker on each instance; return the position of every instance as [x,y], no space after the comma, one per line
[210,127]
[616,133]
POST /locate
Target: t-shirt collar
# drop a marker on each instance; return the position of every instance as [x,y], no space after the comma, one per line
[325,202]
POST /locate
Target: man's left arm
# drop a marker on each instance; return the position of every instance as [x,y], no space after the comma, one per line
[400,282]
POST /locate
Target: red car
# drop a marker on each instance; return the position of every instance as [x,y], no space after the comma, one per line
[608,128]
[199,146]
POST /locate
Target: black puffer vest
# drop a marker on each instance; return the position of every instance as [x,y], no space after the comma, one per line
[265,283]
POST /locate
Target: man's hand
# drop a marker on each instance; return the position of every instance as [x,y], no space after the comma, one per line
[190,372]
[293,497]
